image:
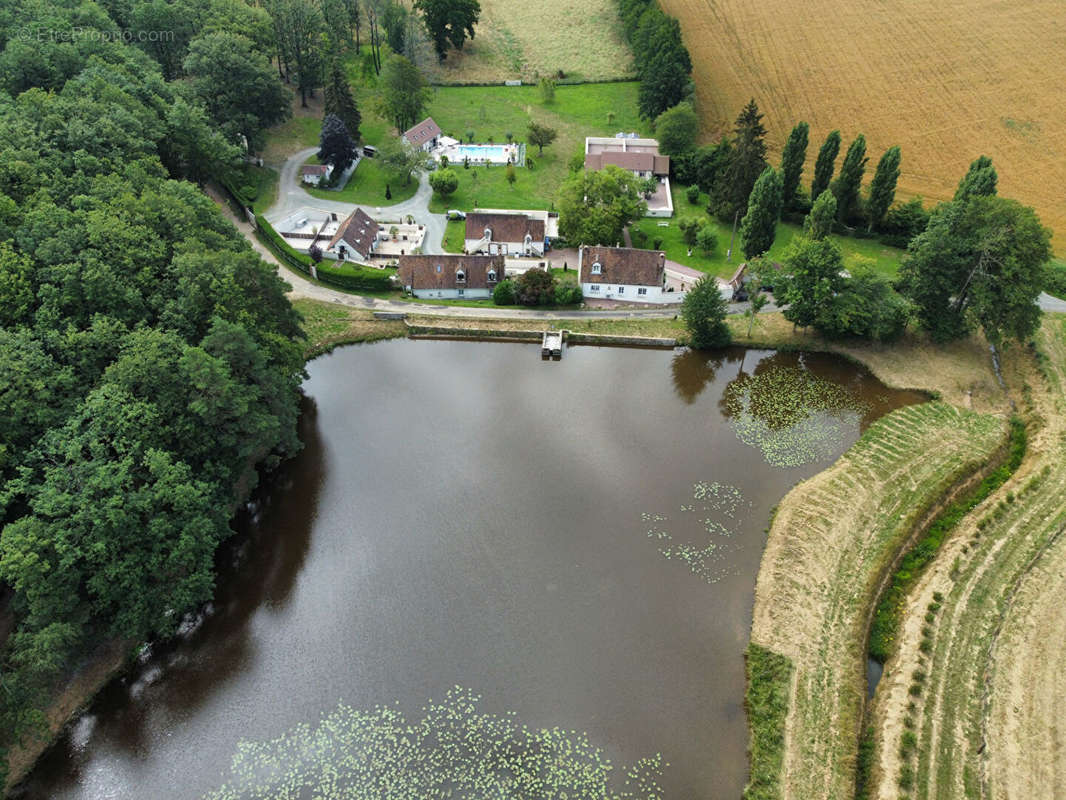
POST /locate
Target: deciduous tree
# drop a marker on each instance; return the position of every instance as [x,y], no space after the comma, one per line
[759,226]
[444,181]
[449,22]
[824,166]
[979,181]
[883,188]
[677,129]
[823,214]
[703,311]
[792,158]
[595,206]
[540,135]
[846,187]
[404,93]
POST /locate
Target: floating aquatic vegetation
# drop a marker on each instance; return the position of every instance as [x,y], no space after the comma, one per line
[793,417]
[704,559]
[453,751]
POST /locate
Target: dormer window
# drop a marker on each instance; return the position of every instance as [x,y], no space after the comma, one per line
[492,275]
[460,276]
[597,268]
[488,233]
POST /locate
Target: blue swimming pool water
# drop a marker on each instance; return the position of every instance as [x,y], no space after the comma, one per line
[496,152]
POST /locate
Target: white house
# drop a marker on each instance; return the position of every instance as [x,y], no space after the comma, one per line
[425,135]
[355,238]
[451,277]
[314,174]
[504,234]
[625,273]
[639,156]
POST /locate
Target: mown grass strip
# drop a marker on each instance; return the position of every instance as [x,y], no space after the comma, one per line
[887,618]
[769,676]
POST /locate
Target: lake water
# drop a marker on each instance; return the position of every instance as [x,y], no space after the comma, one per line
[574,541]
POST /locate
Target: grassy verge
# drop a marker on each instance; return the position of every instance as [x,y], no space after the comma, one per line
[455,236]
[883,259]
[769,676]
[367,187]
[885,627]
[328,325]
[655,328]
[833,540]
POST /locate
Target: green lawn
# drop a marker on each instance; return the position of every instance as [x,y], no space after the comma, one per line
[885,260]
[268,188]
[367,186]
[455,236]
[493,111]
[296,133]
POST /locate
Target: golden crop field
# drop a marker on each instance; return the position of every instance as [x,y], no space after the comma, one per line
[947,81]
[520,39]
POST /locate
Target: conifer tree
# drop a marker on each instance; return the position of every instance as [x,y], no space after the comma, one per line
[792,159]
[759,226]
[883,188]
[823,167]
[338,99]
[748,157]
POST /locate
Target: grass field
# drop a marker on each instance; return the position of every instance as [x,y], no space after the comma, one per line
[516,40]
[880,257]
[490,112]
[832,540]
[327,325]
[986,719]
[367,187]
[946,81]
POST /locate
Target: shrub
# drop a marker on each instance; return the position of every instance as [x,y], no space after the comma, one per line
[535,287]
[1055,280]
[692,194]
[504,293]
[707,239]
[567,295]
[444,182]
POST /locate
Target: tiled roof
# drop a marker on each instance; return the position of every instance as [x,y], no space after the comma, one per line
[314,169]
[358,232]
[623,265]
[504,227]
[421,133]
[634,162]
[438,272]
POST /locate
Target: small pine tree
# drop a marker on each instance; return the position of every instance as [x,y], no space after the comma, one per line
[883,187]
[510,175]
[792,159]
[846,188]
[704,310]
[759,226]
[823,167]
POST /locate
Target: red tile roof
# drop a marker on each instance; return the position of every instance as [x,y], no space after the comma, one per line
[314,169]
[439,272]
[623,265]
[358,232]
[423,132]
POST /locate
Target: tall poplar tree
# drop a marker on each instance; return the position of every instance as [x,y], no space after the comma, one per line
[823,167]
[846,187]
[748,158]
[883,188]
[759,226]
[819,223]
[979,181]
[792,159]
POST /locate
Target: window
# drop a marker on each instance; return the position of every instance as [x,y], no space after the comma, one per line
[642,290]
[460,276]
[462,292]
[621,290]
[597,268]
[492,275]
[595,287]
[438,267]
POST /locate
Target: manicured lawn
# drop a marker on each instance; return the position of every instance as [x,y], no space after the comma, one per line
[493,111]
[367,187]
[455,236]
[296,133]
[885,260]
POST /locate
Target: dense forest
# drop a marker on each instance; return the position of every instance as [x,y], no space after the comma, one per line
[149,360]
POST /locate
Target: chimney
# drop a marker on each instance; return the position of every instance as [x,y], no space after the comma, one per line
[662,260]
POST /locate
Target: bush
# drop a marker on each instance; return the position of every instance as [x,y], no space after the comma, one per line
[707,238]
[568,295]
[444,181]
[692,194]
[535,287]
[366,279]
[504,293]
[1055,280]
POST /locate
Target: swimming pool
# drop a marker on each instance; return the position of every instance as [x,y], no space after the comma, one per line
[491,153]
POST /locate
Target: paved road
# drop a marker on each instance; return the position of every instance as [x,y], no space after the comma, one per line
[292,196]
[1049,303]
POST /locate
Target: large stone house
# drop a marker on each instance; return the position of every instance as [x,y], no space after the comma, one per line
[355,238]
[624,273]
[504,234]
[451,277]
[425,135]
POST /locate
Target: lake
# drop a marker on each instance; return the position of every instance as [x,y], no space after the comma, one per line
[575,542]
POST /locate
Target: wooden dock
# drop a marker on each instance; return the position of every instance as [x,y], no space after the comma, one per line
[552,344]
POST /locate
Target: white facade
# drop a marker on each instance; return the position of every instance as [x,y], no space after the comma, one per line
[530,247]
[452,294]
[630,293]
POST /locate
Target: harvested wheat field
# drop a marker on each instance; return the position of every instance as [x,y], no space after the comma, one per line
[947,81]
[521,40]
[988,717]
[834,538]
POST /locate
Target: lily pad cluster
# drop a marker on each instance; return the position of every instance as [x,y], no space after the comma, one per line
[705,558]
[454,751]
[790,415]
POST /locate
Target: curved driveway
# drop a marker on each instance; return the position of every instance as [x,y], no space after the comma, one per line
[292,196]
